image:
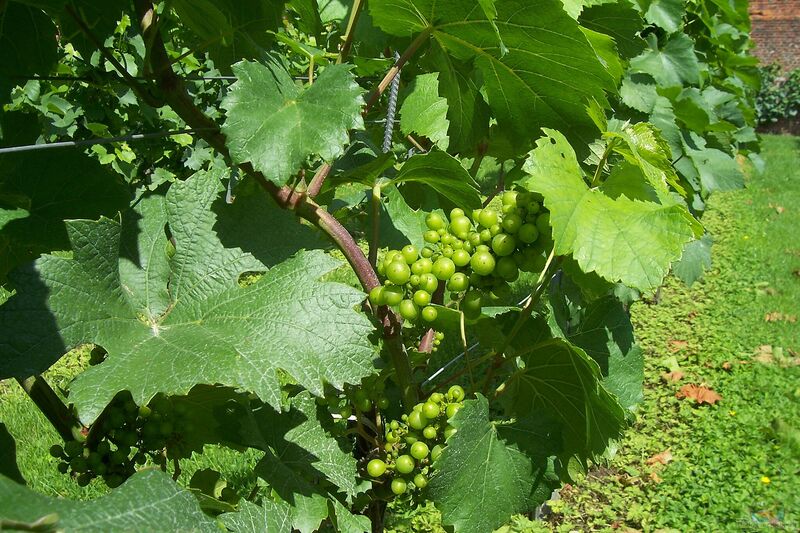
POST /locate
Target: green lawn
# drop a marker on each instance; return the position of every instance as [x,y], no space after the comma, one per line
[735,465]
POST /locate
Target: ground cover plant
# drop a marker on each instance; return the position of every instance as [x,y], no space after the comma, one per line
[388,249]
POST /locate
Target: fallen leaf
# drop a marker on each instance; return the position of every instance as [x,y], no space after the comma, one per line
[661,458]
[655,477]
[764,354]
[677,345]
[777,316]
[675,375]
[727,365]
[779,209]
[698,393]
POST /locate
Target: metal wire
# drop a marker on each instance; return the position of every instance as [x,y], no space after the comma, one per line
[92,142]
[391,111]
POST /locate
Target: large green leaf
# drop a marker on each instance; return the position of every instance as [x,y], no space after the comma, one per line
[674,64]
[28,42]
[561,383]
[269,517]
[148,501]
[276,125]
[695,261]
[48,190]
[481,479]
[619,20]
[546,80]
[621,239]
[717,170]
[424,112]
[444,174]
[204,328]
[667,14]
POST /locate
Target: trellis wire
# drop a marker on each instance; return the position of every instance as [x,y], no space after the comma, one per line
[391,110]
[92,142]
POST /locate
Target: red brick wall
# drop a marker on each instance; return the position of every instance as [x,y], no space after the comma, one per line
[776,31]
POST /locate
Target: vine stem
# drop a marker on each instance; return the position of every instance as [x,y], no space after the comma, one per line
[395,70]
[53,408]
[301,203]
[349,33]
[599,171]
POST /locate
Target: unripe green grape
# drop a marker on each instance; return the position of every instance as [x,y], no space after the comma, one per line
[482,262]
[507,269]
[430,236]
[488,218]
[420,481]
[461,258]
[399,486]
[388,447]
[405,463]
[417,420]
[411,438]
[73,448]
[442,232]
[439,335]
[437,342]
[428,283]
[528,233]
[458,244]
[419,451]
[57,451]
[409,310]
[447,251]
[452,409]
[390,256]
[362,401]
[376,468]
[460,227]
[476,215]
[422,298]
[376,296]
[508,209]
[434,221]
[443,268]
[456,212]
[84,479]
[456,393]
[430,410]
[512,223]
[468,247]
[510,198]
[447,239]
[381,268]
[533,207]
[392,437]
[449,431]
[543,223]
[501,291]
[496,229]
[474,238]
[345,412]
[383,403]
[392,295]
[413,280]
[410,253]
[436,451]
[503,244]
[144,411]
[486,235]
[458,282]
[471,304]
[429,314]
[422,266]
[429,432]
[398,272]
[426,252]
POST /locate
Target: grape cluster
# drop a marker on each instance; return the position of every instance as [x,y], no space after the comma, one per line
[474,258]
[353,399]
[415,442]
[125,436]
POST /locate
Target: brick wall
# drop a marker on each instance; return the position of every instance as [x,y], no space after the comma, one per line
[776,31]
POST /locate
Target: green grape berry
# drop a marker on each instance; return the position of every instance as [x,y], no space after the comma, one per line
[435,221]
[383,403]
[410,253]
[528,233]
[419,451]
[420,481]
[426,252]
[512,223]
[144,411]
[452,409]
[417,420]
[461,258]
[398,272]
[376,296]
[460,227]
[482,263]
[471,304]
[428,283]
[63,467]
[422,298]
[503,244]
[507,269]
[409,310]
[376,468]
[430,410]
[405,463]
[57,451]
[399,486]
[458,282]
[429,314]
[449,431]
[543,223]
[422,266]
[429,432]
[487,218]
[73,448]
[510,198]
[392,295]
[443,268]
[431,237]
[436,451]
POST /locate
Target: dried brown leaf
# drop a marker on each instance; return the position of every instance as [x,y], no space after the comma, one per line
[699,393]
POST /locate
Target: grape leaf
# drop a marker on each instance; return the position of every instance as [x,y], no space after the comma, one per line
[561,382]
[148,501]
[444,174]
[717,170]
[695,261]
[621,239]
[275,125]
[269,517]
[424,112]
[619,20]
[546,81]
[66,184]
[230,30]
[347,522]
[400,224]
[603,329]
[667,14]
[211,331]
[674,64]
[480,480]
[28,41]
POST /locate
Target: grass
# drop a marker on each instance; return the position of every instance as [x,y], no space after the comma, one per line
[735,465]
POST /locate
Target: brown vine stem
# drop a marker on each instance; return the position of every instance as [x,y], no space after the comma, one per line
[349,33]
[395,70]
[181,102]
